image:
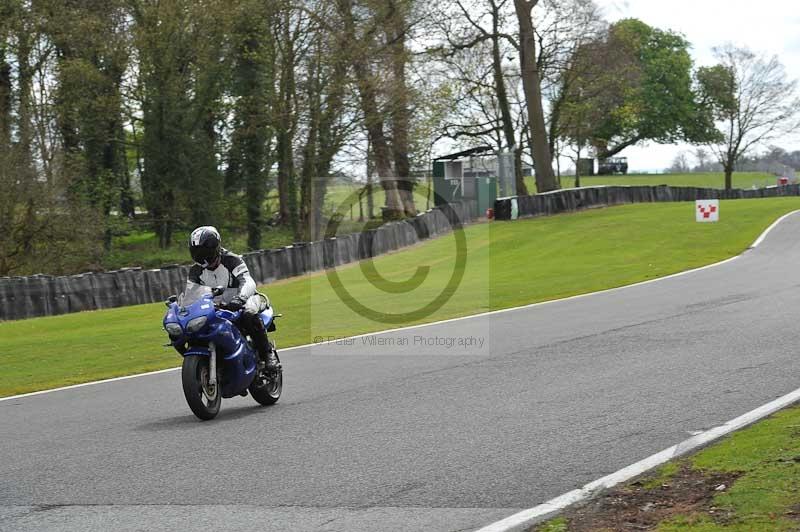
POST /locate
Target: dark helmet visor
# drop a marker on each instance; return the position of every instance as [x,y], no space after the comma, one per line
[203,255]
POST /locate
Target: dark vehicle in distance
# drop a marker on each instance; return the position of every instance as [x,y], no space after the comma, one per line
[613,165]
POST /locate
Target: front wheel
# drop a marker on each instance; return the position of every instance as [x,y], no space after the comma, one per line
[267,386]
[203,398]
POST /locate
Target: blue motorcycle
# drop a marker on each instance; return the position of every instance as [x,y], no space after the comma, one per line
[218,360]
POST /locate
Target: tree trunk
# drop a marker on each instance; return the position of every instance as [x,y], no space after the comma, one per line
[400,109]
[306,229]
[308,213]
[522,187]
[25,82]
[367,84]
[120,163]
[249,149]
[370,198]
[255,190]
[728,175]
[604,152]
[287,186]
[5,100]
[531,82]
[505,108]
[381,154]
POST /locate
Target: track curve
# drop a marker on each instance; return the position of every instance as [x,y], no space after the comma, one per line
[375,434]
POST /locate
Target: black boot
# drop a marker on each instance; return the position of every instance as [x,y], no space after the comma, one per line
[258,333]
[272,360]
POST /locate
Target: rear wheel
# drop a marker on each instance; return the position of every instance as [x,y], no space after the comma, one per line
[203,398]
[267,386]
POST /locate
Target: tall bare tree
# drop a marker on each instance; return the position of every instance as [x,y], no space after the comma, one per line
[753,101]
[327,122]
[290,44]
[475,39]
[702,157]
[396,28]
[564,27]
[532,86]
[91,41]
[252,86]
[361,49]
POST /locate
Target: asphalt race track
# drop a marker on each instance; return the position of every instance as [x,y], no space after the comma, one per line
[419,437]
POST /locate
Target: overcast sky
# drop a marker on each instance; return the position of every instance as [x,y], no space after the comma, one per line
[772,26]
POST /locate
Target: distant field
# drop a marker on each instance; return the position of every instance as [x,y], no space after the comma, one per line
[338,194]
[508,264]
[704,180]
[141,248]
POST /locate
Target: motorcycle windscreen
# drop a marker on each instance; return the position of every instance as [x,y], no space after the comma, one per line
[193,293]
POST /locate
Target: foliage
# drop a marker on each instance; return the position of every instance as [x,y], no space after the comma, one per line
[253,90]
[42,224]
[718,89]
[182,66]
[182,106]
[163,115]
[752,101]
[633,84]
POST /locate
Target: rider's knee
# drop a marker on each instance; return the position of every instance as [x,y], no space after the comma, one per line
[253,306]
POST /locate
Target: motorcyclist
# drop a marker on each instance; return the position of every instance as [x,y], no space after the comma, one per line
[216,266]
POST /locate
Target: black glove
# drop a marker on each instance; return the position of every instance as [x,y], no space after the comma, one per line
[236,304]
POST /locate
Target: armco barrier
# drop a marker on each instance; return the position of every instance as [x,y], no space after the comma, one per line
[584,198]
[44,295]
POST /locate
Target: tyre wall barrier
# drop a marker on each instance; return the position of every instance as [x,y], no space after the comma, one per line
[585,198]
[45,295]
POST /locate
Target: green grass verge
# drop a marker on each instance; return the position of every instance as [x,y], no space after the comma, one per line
[702,179]
[140,248]
[767,494]
[559,524]
[509,264]
[764,459]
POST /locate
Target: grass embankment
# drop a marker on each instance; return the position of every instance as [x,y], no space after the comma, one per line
[508,264]
[701,179]
[140,248]
[749,481]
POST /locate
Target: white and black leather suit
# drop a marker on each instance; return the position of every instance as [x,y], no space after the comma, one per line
[232,274]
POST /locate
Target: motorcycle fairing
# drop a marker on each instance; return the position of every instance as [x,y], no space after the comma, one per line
[237,358]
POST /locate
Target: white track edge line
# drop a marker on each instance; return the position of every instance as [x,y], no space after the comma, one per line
[91,383]
[539,513]
[755,244]
[763,235]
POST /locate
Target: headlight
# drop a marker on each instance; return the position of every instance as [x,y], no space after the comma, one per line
[196,324]
[173,330]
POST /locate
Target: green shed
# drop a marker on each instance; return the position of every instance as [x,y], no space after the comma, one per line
[456,177]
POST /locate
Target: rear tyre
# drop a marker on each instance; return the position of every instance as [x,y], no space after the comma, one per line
[266,388]
[203,398]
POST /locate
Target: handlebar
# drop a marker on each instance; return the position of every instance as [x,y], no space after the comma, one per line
[222,306]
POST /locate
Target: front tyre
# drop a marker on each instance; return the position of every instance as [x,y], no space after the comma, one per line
[267,386]
[203,398]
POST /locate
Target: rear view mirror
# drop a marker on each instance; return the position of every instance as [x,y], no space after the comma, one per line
[170,300]
[218,291]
